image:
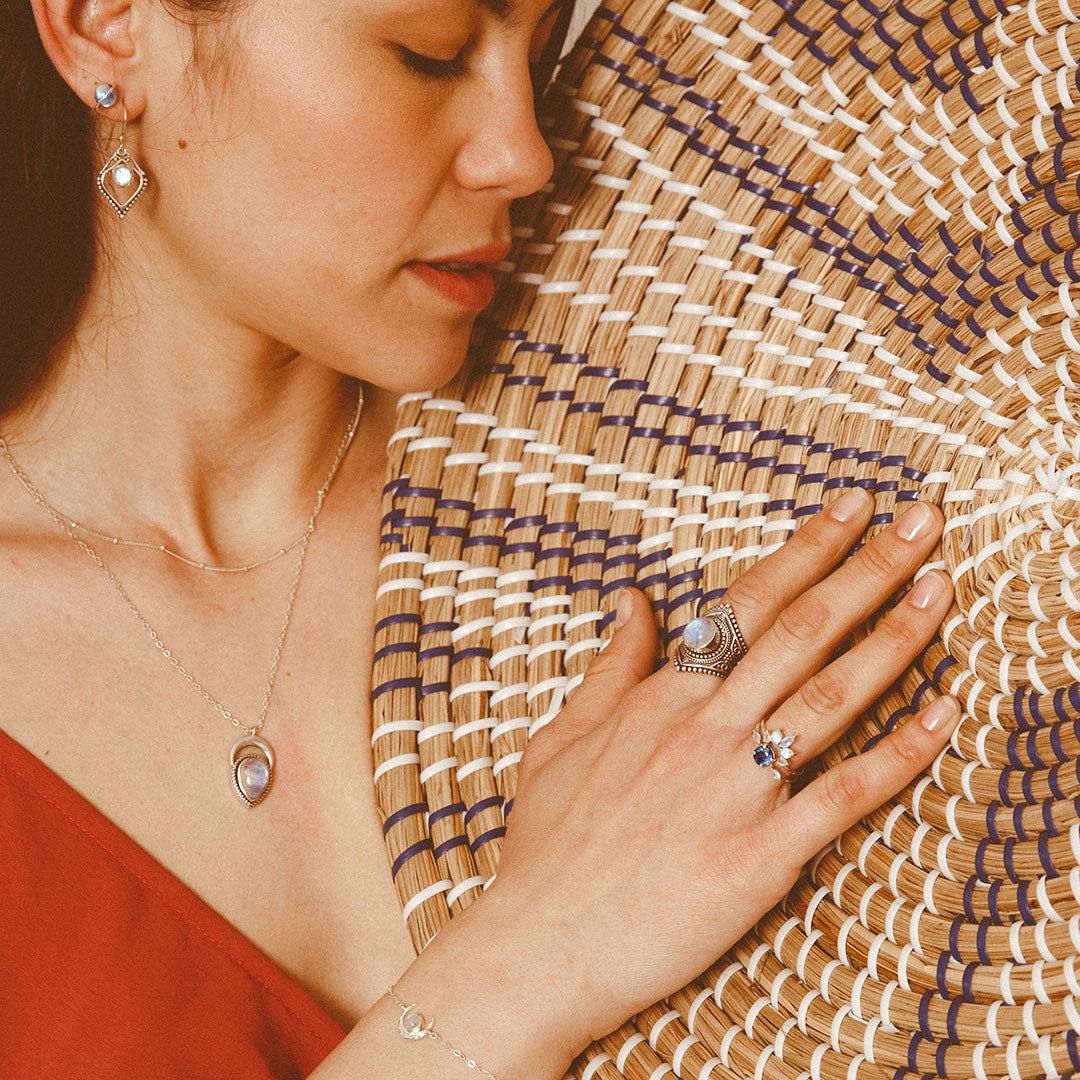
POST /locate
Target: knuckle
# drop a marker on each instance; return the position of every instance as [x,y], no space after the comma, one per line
[802,622]
[881,558]
[907,749]
[897,635]
[752,592]
[845,788]
[728,856]
[685,738]
[815,541]
[823,695]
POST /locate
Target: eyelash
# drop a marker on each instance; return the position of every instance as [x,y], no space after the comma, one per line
[429,67]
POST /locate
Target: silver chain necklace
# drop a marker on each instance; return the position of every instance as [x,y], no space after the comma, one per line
[166,550]
[252,757]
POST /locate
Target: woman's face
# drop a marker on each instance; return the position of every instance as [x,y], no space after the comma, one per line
[314,188]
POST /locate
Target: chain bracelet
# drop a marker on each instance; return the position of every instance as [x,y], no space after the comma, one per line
[414,1025]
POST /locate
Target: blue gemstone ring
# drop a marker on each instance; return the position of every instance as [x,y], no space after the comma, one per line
[773,752]
[712,643]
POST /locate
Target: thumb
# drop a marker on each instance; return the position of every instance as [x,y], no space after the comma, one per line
[628,659]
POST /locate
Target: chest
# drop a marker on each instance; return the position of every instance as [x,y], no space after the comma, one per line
[304,874]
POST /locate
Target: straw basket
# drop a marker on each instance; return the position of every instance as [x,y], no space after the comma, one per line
[789,248]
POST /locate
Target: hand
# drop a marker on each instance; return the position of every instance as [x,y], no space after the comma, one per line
[644,841]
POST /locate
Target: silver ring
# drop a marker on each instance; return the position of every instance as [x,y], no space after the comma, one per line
[773,752]
[712,643]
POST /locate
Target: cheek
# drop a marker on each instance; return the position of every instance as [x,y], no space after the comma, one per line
[369,164]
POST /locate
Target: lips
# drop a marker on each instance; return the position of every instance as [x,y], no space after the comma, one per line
[465,279]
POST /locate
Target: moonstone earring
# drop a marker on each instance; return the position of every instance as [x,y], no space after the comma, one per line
[121,179]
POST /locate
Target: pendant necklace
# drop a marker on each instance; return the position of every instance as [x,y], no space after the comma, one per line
[251,760]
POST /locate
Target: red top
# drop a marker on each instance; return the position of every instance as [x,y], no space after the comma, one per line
[111,967]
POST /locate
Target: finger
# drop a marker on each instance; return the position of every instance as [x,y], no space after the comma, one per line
[763,591]
[805,634]
[627,660]
[826,704]
[850,790]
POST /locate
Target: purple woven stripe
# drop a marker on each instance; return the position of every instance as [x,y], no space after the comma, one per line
[660,106]
[634,84]
[408,853]
[627,35]
[395,620]
[651,58]
[606,61]
[449,845]
[390,650]
[538,346]
[887,38]
[486,838]
[481,806]
[395,684]
[678,80]
[702,102]
[925,1028]
[445,811]
[402,814]
[939,1060]
[478,651]
[558,527]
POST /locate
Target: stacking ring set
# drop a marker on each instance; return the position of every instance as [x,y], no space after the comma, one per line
[712,644]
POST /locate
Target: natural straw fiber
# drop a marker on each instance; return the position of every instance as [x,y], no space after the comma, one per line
[789,248]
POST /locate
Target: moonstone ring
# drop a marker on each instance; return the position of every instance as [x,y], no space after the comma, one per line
[712,643]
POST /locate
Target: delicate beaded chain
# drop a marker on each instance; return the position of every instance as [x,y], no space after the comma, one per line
[69,528]
[414,1025]
[164,548]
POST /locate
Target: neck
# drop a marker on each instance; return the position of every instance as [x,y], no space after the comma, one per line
[213,447]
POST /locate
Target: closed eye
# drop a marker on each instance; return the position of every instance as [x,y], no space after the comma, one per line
[431,67]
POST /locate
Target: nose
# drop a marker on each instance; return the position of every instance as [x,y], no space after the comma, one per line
[504,149]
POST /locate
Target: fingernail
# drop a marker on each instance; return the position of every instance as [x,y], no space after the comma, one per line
[916,523]
[624,608]
[928,590]
[850,505]
[940,715]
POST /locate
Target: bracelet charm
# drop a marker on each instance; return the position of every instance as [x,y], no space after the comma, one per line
[413,1025]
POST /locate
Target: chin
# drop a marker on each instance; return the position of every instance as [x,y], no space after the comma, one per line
[418,363]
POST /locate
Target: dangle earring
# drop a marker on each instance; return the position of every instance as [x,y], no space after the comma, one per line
[121,180]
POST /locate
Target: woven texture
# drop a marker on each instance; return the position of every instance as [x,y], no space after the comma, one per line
[789,248]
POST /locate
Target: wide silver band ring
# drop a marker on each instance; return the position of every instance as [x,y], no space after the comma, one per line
[712,643]
[772,751]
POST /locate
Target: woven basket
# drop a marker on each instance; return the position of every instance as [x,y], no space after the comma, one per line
[789,248]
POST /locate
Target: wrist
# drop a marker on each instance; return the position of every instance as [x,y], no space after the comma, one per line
[488,998]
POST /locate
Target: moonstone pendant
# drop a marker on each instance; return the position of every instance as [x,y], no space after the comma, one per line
[252,769]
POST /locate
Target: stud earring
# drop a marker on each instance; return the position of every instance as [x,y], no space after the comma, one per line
[121,179]
[104,95]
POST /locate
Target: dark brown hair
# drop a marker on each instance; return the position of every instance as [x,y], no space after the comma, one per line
[47,204]
[46,208]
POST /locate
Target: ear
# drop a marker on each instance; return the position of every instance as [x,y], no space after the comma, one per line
[95,41]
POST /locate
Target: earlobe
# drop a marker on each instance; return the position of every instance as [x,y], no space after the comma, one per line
[91,42]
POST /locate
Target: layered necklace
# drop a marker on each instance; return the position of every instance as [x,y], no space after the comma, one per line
[251,760]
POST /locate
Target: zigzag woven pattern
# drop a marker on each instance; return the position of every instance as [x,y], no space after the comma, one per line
[791,246]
